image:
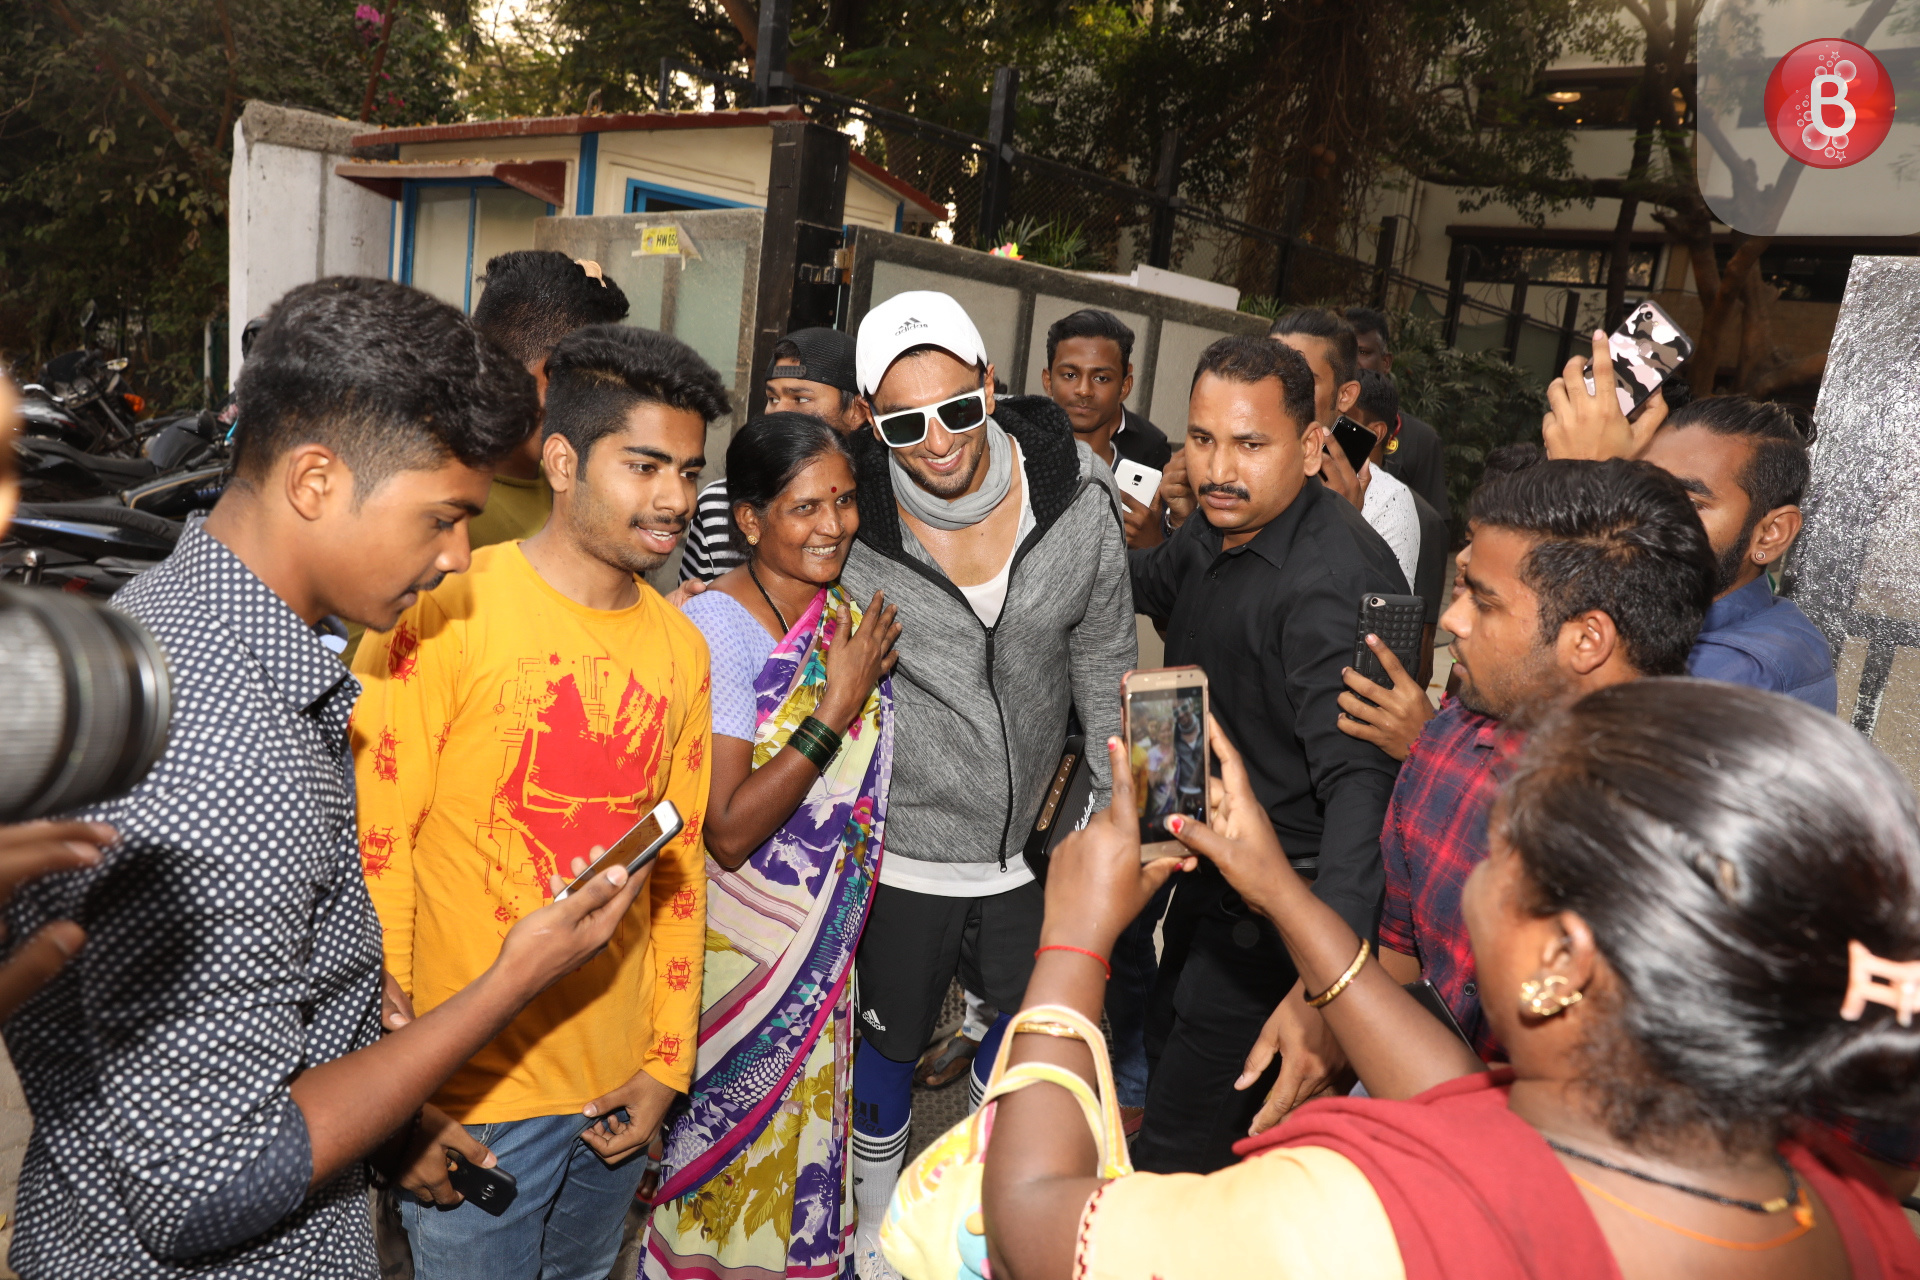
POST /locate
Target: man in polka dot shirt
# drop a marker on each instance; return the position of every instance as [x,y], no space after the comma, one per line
[208,1074]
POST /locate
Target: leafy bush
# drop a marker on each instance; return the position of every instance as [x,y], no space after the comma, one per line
[1054,243]
[1476,400]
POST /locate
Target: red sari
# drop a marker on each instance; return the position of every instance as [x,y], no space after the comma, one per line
[1472,1190]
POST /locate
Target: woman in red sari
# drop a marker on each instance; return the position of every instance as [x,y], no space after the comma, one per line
[1688,884]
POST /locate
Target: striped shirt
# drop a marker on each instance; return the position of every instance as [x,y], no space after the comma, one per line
[709,552]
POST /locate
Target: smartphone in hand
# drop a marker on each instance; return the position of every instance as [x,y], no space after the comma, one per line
[1137,480]
[1355,441]
[639,846]
[488,1190]
[1164,726]
[1400,622]
[1648,348]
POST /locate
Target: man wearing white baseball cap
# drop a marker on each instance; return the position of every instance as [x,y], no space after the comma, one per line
[1001,537]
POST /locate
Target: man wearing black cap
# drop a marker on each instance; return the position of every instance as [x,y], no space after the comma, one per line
[812,373]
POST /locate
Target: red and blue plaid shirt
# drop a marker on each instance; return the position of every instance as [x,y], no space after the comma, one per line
[1435,835]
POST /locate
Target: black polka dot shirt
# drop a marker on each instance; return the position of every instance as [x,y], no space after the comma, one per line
[230,943]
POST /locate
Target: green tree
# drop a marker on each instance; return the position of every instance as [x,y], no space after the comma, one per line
[116,123]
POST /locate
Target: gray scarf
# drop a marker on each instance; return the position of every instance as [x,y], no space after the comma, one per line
[964,511]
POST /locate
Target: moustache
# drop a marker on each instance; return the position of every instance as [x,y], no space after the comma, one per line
[1231,490]
[427,584]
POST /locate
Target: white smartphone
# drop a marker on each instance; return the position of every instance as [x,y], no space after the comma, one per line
[1137,482]
[641,845]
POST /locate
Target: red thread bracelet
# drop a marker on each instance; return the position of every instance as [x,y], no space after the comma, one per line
[1092,955]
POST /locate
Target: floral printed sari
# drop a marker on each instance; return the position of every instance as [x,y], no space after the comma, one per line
[758,1184]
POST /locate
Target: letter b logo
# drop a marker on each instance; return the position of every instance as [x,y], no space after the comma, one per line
[1829,103]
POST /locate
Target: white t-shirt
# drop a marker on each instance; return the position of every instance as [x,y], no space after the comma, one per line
[972,879]
[1389,509]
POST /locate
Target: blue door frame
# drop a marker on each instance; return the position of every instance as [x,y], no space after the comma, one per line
[410,208]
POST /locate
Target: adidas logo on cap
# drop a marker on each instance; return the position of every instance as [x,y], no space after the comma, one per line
[909,324]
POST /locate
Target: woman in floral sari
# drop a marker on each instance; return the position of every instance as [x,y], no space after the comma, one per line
[756,1181]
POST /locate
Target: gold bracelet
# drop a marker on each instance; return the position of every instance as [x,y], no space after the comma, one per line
[1059,1029]
[1340,984]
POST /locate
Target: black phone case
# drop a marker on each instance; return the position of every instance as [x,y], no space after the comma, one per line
[1399,621]
[1344,429]
[1062,808]
[488,1190]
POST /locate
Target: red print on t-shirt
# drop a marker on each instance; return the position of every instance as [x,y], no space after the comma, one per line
[386,758]
[376,851]
[679,973]
[403,653]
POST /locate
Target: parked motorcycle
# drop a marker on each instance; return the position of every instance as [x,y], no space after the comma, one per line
[79,398]
[91,523]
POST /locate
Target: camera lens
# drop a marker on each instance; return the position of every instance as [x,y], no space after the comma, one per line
[88,702]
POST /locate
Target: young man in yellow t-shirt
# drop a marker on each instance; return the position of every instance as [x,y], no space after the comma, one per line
[519,717]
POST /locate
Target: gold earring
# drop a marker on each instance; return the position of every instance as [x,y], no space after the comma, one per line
[1539,997]
[753,539]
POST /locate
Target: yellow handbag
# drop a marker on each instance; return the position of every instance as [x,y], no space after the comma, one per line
[934,1229]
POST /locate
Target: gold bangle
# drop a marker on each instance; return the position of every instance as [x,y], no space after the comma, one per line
[1059,1029]
[1340,984]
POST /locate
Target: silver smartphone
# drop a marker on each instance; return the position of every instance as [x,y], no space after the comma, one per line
[641,845]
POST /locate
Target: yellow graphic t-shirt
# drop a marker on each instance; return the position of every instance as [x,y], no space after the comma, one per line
[503,732]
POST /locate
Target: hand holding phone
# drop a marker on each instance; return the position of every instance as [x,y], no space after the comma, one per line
[1646,350]
[489,1190]
[1585,419]
[1137,481]
[1356,441]
[1164,726]
[639,846]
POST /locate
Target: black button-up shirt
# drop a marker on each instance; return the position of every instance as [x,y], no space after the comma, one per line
[230,944]
[1272,623]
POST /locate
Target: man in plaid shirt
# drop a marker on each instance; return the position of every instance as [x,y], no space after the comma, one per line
[1579,575]
[1575,579]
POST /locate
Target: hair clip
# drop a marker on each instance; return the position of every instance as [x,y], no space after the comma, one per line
[1900,991]
[592,269]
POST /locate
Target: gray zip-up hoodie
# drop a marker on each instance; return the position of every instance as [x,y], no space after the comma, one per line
[980,713]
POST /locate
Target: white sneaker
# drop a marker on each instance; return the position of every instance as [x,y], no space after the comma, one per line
[868,1262]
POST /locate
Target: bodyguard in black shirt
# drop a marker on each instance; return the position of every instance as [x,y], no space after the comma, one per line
[1261,589]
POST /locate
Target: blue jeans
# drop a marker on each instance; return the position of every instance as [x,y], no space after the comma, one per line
[1134,968]
[564,1224]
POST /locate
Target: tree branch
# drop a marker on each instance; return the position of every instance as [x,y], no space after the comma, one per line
[379,59]
[233,74]
[207,161]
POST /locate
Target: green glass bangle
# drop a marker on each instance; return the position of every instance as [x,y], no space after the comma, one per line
[816,742]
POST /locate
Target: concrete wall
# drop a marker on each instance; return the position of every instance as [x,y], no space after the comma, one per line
[290,220]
